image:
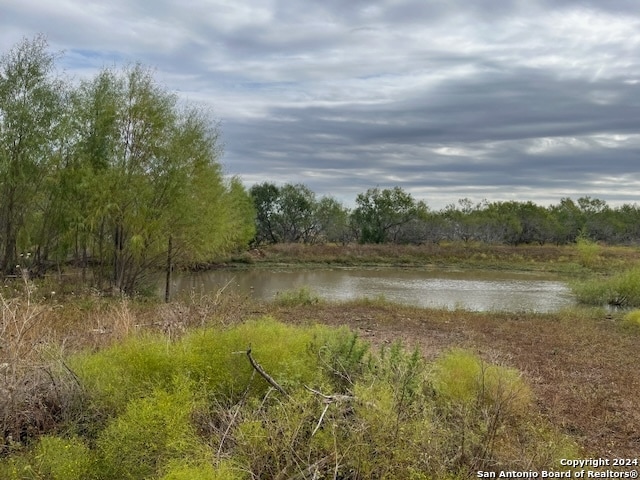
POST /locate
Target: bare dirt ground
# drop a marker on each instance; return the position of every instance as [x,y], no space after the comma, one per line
[582,365]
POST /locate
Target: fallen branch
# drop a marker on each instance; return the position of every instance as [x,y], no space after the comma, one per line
[328,400]
[264,374]
[331,398]
[326,407]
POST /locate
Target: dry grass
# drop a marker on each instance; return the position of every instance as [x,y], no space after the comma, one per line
[37,389]
[565,258]
[31,399]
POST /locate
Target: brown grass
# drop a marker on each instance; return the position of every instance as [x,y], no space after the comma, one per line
[37,333]
[564,258]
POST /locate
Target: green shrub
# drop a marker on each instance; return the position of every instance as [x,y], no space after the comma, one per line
[343,357]
[151,432]
[481,407]
[275,436]
[202,471]
[188,412]
[588,251]
[217,359]
[406,374]
[384,442]
[622,289]
[592,292]
[296,297]
[626,288]
[53,458]
[125,371]
[380,429]
[632,318]
[63,459]
[462,378]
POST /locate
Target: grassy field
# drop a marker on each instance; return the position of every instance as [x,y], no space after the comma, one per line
[72,374]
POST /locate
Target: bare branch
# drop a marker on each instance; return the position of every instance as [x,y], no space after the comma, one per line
[264,374]
[328,400]
[331,398]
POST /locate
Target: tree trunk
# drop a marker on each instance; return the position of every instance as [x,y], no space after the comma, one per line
[167,285]
[9,258]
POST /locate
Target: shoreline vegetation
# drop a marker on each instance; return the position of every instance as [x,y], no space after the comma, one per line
[584,258]
[100,387]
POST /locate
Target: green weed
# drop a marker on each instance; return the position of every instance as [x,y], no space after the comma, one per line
[622,289]
[53,458]
[300,296]
[217,359]
[152,432]
[343,357]
[485,419]
[632,318]
[116,375]
[182,470]
[588,252]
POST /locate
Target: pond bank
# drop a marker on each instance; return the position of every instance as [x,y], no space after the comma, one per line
[564,259]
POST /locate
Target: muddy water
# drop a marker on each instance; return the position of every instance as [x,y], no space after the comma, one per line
[476,290]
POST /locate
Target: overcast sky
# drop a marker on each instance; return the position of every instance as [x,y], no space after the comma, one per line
[486,99]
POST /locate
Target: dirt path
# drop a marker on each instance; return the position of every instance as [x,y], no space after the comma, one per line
[584,369]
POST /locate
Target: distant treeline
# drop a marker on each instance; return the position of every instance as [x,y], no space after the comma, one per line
[293,213]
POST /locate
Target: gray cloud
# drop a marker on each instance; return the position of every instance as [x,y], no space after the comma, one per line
[492,99]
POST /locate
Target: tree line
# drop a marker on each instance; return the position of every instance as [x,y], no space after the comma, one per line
[112,173]
[293,213]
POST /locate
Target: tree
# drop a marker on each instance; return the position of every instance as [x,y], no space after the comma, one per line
[161,194]
[380,213]
[241,227]
[568,219]
[30,113]
[506,221]
[134,149]
[265,199]
[538,226]
[332,220]
[465,221]
[292,213]
[295,217]
[201,215]
[114,173]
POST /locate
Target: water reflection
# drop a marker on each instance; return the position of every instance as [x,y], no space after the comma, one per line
[478,290]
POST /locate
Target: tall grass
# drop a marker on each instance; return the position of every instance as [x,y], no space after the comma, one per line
[36,388]
[588,252]
[622,289]
[300,296]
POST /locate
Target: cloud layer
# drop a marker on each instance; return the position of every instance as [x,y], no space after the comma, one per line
[491,99]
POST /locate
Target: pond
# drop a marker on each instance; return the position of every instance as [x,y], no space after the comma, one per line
[469,290]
